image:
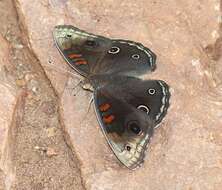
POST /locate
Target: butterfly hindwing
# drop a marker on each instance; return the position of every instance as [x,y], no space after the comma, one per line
[128,116]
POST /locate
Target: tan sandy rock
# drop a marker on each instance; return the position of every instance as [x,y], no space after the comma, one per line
[8,101]
[185,152]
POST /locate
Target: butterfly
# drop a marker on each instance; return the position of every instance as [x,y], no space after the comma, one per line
[127,107]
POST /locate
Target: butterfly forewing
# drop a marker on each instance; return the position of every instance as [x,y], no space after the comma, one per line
[91,54]
[83,51]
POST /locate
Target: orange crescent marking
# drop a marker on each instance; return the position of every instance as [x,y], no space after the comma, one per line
[73,55]
[81,62]
[108,119]
[104,107]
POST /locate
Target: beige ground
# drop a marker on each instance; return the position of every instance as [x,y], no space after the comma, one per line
[185,153]
[40,157]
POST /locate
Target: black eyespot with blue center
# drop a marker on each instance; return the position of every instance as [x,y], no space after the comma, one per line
[134,127]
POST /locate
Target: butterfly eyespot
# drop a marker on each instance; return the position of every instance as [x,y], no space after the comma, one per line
[134,127]
[128,148]
[144,108]
[151,91]
[68,35]
[135,56]
[114,50]
[91,43]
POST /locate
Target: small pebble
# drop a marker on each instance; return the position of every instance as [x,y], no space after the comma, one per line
[20,82]
[51,132]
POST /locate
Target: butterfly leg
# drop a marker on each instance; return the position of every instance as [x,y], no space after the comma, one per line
[88,109]
[73,86]
[51,65]
[90,103]
[83,84]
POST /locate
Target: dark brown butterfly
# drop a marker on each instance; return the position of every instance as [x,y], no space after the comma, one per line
[127,108]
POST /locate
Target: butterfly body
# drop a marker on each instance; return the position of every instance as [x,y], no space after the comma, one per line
[127,107]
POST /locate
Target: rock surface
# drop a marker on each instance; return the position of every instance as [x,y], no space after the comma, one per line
[8,100]
[185,152]
[33,152]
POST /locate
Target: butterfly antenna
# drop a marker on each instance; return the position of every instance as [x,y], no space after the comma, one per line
[75,87]
[58,68]
[66,71]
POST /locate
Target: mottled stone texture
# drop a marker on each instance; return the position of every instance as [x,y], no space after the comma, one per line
[185,153]
[8,99]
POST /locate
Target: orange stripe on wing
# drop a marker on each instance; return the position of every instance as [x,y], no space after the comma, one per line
[104,107]
[73,55]
[80,62]
[108,119]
